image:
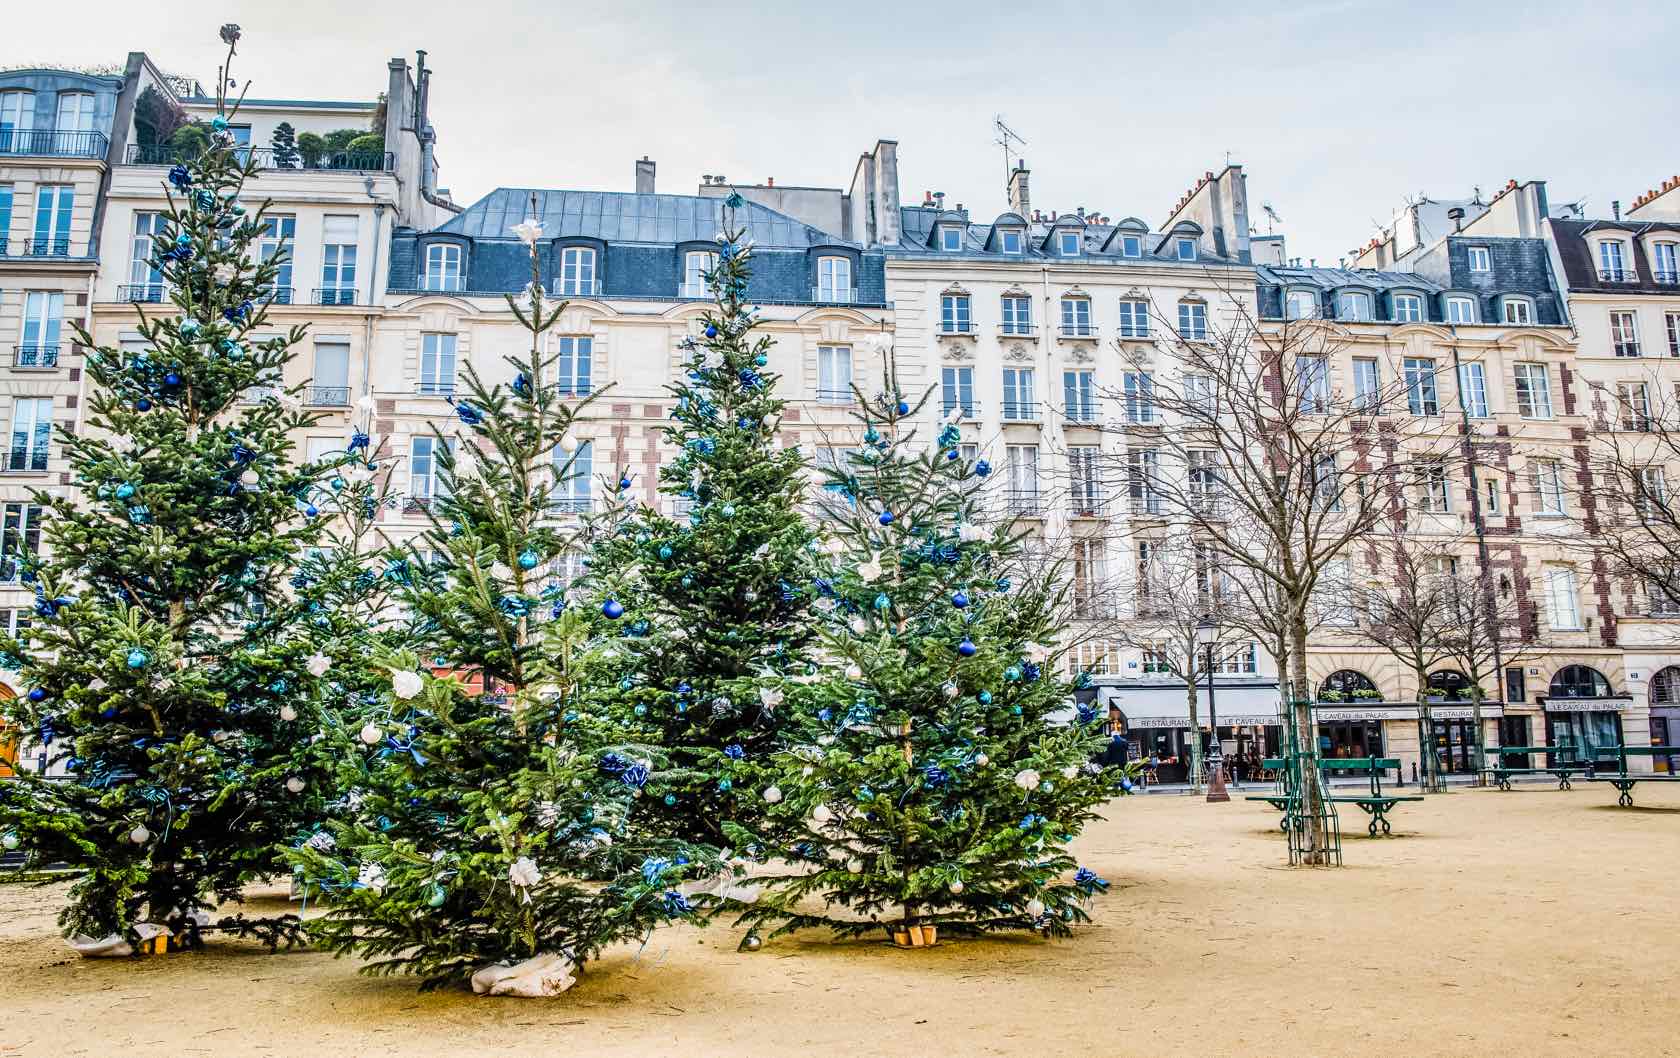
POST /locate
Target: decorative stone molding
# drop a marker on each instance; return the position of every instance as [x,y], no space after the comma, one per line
[1017,352]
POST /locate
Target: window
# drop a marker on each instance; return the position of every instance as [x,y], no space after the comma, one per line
[1624,333]
[1672,319]
[338,260]
[1472,389]
[1611,255]
[1665,263]
[5,208]
[1009,240]
[834,374]
[1201,394]
[1134,319]
[577,272]
[1563,610]
[1076,317]
[1079,396]
[75,121]
[1157,659]
[1089,578]
[1147,560]
[1131,246]
[1534,391]
[43,315]
[1085,475]
[957,391]
[697,264]
[17,120]
[443,268]
[950,238]
[1548,481]
[1408,308]
[31,433]
[437,363]
[1017,314]
[1437,491]
[1420,386]
[1492,505]
[1203,477]
[1019,402]
[1302,305]
[331,382]
[1518,310]
[1210,577]
[1334,594]
[1312,384]
[574,478]
[1327,484]
[1139,387]
[54,204]
[1192,321]
[1461,310]
[1185,249]
[834,279]
[15,622]
[1633,400]
[1142,470]
[20,534]
[1239,660]
[1367,384]
[1022,464]
[425,466]
[1479,259]
[278,232]
[1353,306]
[146,282]
[1650,492]
[575,365]
[1068,243]
[954,315]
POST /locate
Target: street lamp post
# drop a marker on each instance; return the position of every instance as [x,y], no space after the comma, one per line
[1207,634]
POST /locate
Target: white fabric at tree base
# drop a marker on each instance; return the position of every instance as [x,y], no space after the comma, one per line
[725,886]
[539,977]
[115,946]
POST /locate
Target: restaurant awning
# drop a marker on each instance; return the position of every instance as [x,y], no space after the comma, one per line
[1249,704]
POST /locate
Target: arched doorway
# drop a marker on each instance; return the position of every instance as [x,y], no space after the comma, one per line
[1581,733]
[1579,681]
[1456,749]
[1449,685]
[1344,735]
[1344,684]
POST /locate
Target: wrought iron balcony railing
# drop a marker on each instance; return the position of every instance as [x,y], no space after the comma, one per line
[41,246]
[836,396]
[1146,506]
[444,283]
[957,329]
[140,292]
[1618,275]
[267,158]
[1088,505]
[435,387]
[970,409]
[1024,503]
[280,295]
[576,288]
[1666,278]
[1083,412]
[59,143]
[571,504]
[1078,330]
[35,356]
[334,296]
[831,296]
[1017,330]
[328,396]
[1020,411]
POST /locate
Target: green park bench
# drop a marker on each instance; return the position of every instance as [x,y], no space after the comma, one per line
[1502,772]
[1278,799]
[1622,780]
[1375,804]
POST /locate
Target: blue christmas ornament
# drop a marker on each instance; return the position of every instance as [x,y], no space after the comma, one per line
[311,511]
[613,609]
[138,658]
[670,799]
[761,359]
[188,327]
[886,518]
[623,483]
[124,491]
[711,331]
[985,697]
[36,694]
[725,784]
[180,176]
[960,600]
[219,123]
[469,414]
[728,511]
[337,484]
[1003,584]
[172,379]
[1012,673]
[143,404]
[982,468]
[967,649]
[528,560]
[687,581]
[358,442]
[664,552]
[904,407]
[882,602]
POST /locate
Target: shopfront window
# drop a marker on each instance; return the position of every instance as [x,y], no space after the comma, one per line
[1350,738]
[1343,684]
[1579,681]
[1583,736]
[1455,746]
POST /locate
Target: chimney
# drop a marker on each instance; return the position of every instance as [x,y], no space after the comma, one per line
[939,200]
[1020,198]
[1616,208]
[1456,215]
[884,210]
[644,176]
[927,198]
[769,181]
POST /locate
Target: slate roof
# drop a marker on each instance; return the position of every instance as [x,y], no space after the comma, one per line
[1581,271]
[619,216]
[918,222]
[1336,278]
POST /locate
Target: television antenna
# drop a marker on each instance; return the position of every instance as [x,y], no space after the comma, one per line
[1272,218]
[1005,137]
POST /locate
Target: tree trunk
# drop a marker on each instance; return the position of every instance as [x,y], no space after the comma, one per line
[1317,841]
[1195,734]
[1480,777]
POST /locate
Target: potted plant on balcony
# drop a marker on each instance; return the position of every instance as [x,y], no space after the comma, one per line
[284,142]
[311,146]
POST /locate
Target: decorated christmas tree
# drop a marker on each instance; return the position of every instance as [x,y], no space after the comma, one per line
[926,785]
[489,834]
[712,604]
[166,665]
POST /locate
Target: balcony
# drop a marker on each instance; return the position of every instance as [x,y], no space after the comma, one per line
[277,295]
[959,329]
[1020,411]
[1017,330]
[836,396]
[333,296]
[831,296]
[1666,278]
[1131,332]
[57,143]
[970,409]
[1086,503]
[1086,412]
[1145,506]
[1078,332]
[35,357]
[1618,275]
[264,158]
[571,504]
[147,293]
[576,288]
[1094,608]
[258,394]
[1024,503]
[437,387]
[447,284]
[328,396]
[38,246]
[695,289]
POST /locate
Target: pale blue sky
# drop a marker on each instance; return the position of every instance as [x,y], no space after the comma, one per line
[1337,110]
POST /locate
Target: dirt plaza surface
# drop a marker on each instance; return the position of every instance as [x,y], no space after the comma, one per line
[1535,922]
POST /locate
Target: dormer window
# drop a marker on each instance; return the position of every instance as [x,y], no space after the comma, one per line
[696,263]
[1009,241]
[1518,310]
[1461,310]
[1185,249]
[834,280]
[1479,259]
[1352,305]
[577,272]
[443,268]
[1302,305]
[1408,308]
[950,238]
[1068,243]
[1131,246]
[1612,261]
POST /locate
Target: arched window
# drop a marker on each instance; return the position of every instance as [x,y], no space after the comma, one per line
[1580,681]
[1347,683]
[1450,684]
[1665,687]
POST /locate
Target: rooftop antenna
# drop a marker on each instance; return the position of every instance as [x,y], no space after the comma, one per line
[1272,219]
[1006,136]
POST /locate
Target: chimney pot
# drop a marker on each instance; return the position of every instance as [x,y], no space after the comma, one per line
[1616,208]
[644,176]
[927,198]
[769,181]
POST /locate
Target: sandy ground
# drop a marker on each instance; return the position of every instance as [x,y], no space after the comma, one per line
[1534,922]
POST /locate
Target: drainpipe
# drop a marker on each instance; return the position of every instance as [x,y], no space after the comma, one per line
[373,295]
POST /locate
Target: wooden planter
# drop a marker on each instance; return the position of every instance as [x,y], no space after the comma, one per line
[162,944]
[916,936]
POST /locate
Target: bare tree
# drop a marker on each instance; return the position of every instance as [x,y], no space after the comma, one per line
[1235,433]
[1484,634]
[1635,439]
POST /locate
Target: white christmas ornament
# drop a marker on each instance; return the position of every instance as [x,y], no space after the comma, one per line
[1035,907]
[287,713]
[97,684]
[1027,779]
[870,571]
[371,734]
[952,690]
[528,231]
[371,876]
[139,835]
[225,272]
[365,402]
[406,685]
[294,785]
[770,697]
[773,794]
[821,814]
[568,444]
[981,760]
[858,625]
[1070,771]
[957,885]
[318,664]
[523,873]
[249,478]
[853,672]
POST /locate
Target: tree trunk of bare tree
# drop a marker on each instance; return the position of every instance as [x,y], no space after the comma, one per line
[1317,850]
[1195,734]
